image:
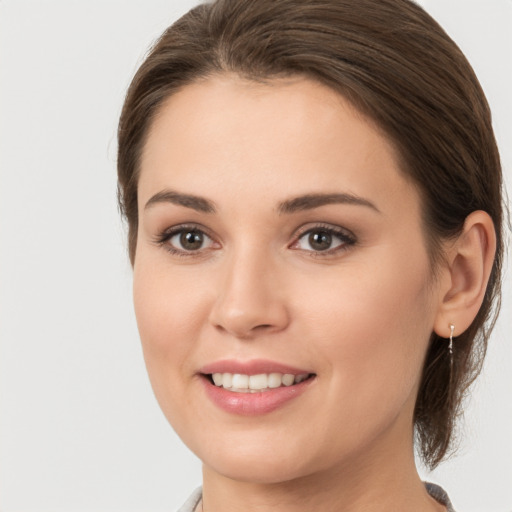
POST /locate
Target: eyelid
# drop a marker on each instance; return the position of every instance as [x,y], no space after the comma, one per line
[312,226]
[346,236]
[162,239]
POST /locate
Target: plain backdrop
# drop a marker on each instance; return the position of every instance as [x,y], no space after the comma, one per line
[79,427]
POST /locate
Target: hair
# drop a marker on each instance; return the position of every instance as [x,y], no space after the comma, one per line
[397,66]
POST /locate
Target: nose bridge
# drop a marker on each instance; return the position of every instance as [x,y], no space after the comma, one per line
[249,299]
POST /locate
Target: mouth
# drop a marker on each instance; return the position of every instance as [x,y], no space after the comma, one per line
[254,387]
[259,383]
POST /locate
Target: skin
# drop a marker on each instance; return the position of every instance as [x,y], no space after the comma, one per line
[359,315]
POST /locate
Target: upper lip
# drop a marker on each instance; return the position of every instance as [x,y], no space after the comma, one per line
[250,367]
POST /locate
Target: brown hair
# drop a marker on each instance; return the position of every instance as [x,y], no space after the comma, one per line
[396,65]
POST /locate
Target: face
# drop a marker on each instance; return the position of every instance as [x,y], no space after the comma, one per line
[282,285]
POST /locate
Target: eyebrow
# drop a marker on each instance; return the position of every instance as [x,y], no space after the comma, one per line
[310,201]
[300,203]
[197,203]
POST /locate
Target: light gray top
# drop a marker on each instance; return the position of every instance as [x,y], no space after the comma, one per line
[193,500]
[437,492]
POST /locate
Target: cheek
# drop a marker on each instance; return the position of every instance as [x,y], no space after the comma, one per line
[373,325]
[170,318]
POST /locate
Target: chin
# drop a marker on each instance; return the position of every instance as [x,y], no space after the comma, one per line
[255,460]
[256,470]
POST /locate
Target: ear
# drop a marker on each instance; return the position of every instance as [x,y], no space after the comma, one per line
[469,264]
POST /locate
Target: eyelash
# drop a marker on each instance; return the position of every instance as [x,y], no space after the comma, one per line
[163,238]
[347,240]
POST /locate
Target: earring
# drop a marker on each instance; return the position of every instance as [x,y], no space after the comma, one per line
[450,346]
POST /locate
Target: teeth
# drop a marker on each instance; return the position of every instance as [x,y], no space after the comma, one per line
[288,379]
[274,380]
[258,381]
[227,380]
[241,383]
[217,379]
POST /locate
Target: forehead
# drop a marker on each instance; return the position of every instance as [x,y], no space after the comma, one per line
[225,136]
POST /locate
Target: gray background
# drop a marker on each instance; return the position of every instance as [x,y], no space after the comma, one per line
[79,427]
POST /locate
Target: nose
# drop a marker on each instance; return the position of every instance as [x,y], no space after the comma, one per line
[250,302]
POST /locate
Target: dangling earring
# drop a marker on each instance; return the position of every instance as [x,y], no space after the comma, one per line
[450,346]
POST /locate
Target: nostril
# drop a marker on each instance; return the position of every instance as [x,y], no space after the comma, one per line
[244,312]
[243,331]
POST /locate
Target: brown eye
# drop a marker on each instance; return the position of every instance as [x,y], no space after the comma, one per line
[191,240]
[320,240]
[324,240]
[187,240]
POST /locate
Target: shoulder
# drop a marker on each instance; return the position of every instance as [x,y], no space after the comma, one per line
[440,495]
[191,504]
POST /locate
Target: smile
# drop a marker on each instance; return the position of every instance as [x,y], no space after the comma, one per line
[242,383]
[255,387]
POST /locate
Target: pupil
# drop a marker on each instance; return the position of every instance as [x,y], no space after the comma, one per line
[320,240]
[191,240]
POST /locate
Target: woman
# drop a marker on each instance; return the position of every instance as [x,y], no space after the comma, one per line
[313,195]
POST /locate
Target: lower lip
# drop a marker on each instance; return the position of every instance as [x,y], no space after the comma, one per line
[252,404]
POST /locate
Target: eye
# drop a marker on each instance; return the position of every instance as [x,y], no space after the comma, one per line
[324,239]
[189,240]
[185,241]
